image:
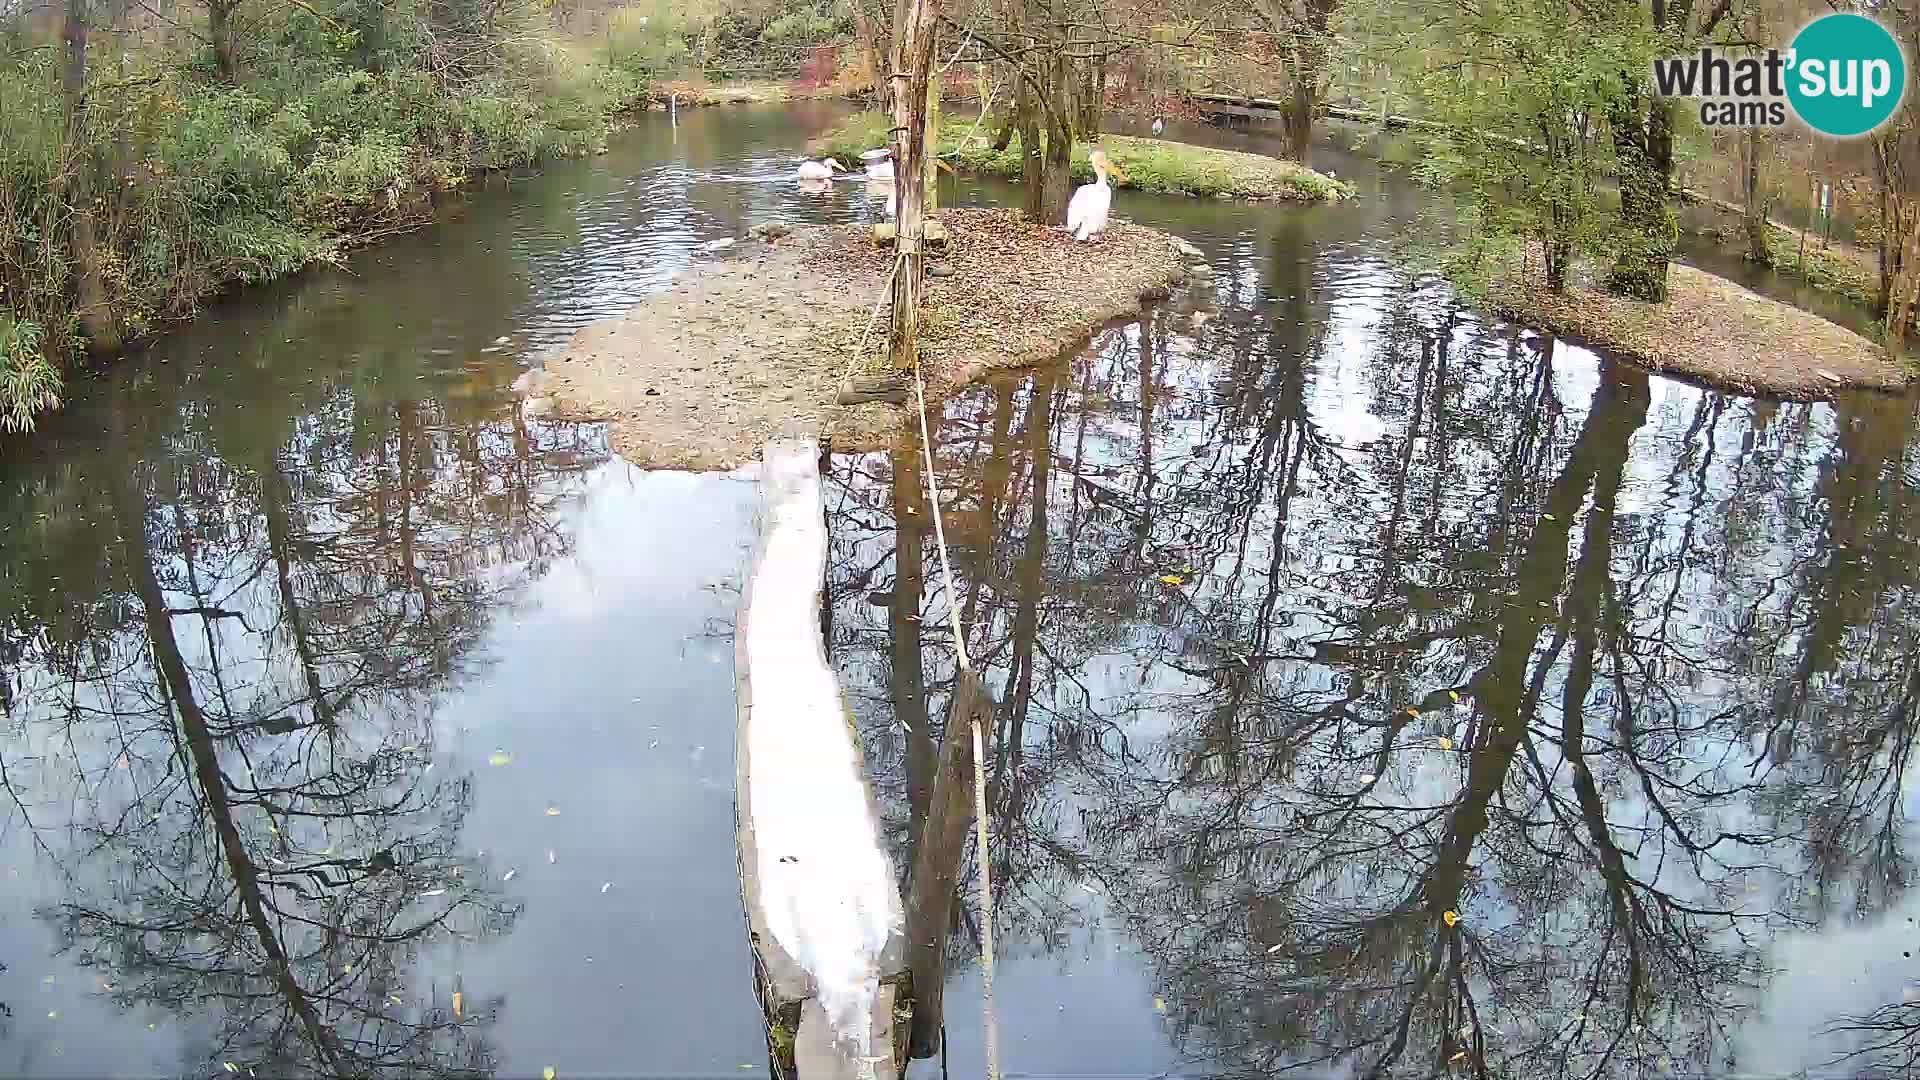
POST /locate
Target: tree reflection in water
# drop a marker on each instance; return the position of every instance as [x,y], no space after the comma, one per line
[223,741]
[1503,743]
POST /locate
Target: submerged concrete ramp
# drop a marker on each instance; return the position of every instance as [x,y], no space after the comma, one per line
[823,909]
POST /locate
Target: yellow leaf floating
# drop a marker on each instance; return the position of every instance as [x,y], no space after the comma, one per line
[232,1068]
[1415,713]
[500,757]
[548,1073]
[1457,1057]
[1455,695]
[553,811]
[1446,743]
[1451,918]
[457,999]
[1172,579]
[1159,1005]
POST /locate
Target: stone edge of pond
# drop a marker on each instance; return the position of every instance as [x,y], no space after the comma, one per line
[799,1031]
[1710,331]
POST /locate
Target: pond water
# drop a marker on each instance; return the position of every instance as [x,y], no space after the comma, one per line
[1378,684]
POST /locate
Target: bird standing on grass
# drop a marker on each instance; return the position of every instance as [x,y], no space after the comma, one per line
[1159,126]
[1087,212]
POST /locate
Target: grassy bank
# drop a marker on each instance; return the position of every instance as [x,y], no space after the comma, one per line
[1708,329]
[697,95]
[179,180]
[1843,269]
[1150,164]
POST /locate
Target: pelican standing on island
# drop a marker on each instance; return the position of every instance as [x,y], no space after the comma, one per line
[1087,212]
[820,170]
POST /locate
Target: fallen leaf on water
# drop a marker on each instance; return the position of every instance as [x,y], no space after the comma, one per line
[1367,778]
[548,1073]
[550,855]
[1466,1031]
[1547,517]
[1462,1054]
[122,763]
[153,1027]
[1455,695]
[231,1067]
[1159,1005]
[394,1000]
[54,1015]
[458,998]
[409,748]
[553,811]
[1446,743]
[605,887]
[432,892]
[500,757]
[508,876]
[1172,579]
[349,969]
[1451,918]
[1274,949]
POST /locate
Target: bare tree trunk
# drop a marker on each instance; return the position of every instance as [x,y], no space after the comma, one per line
[914,22]
[1904,289]
[1056,170]
[91,304]
[220,34]
[933,137]
[1032,168]
[1309,68]
[1759,249]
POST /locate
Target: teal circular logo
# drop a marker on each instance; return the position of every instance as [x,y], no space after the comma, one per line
[1846,75]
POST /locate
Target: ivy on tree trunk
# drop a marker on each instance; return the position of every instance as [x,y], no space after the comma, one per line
[1643,144]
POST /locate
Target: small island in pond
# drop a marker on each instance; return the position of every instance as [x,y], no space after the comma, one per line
[758,344]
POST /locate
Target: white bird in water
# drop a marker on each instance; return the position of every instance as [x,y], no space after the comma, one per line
[820,170]
[879,164]
[1087,212]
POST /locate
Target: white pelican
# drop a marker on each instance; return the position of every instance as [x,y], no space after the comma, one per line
[1087,212]
[820,170]
[879,164]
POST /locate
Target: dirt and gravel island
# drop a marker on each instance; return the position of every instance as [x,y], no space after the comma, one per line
[755,344]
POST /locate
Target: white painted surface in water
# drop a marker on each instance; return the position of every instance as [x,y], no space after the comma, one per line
[829,897]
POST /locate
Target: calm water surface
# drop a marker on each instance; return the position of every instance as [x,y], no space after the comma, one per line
[1377,683]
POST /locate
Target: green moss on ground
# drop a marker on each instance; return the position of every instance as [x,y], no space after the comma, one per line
[1150,164]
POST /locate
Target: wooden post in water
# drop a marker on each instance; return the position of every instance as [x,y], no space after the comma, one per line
[912,69]
[936,861]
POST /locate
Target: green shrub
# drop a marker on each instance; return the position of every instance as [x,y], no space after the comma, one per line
[195,182]
[29,383]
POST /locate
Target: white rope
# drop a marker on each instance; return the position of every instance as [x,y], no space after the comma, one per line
[979,752]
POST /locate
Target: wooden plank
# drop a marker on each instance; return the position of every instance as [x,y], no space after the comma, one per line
[824,914]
